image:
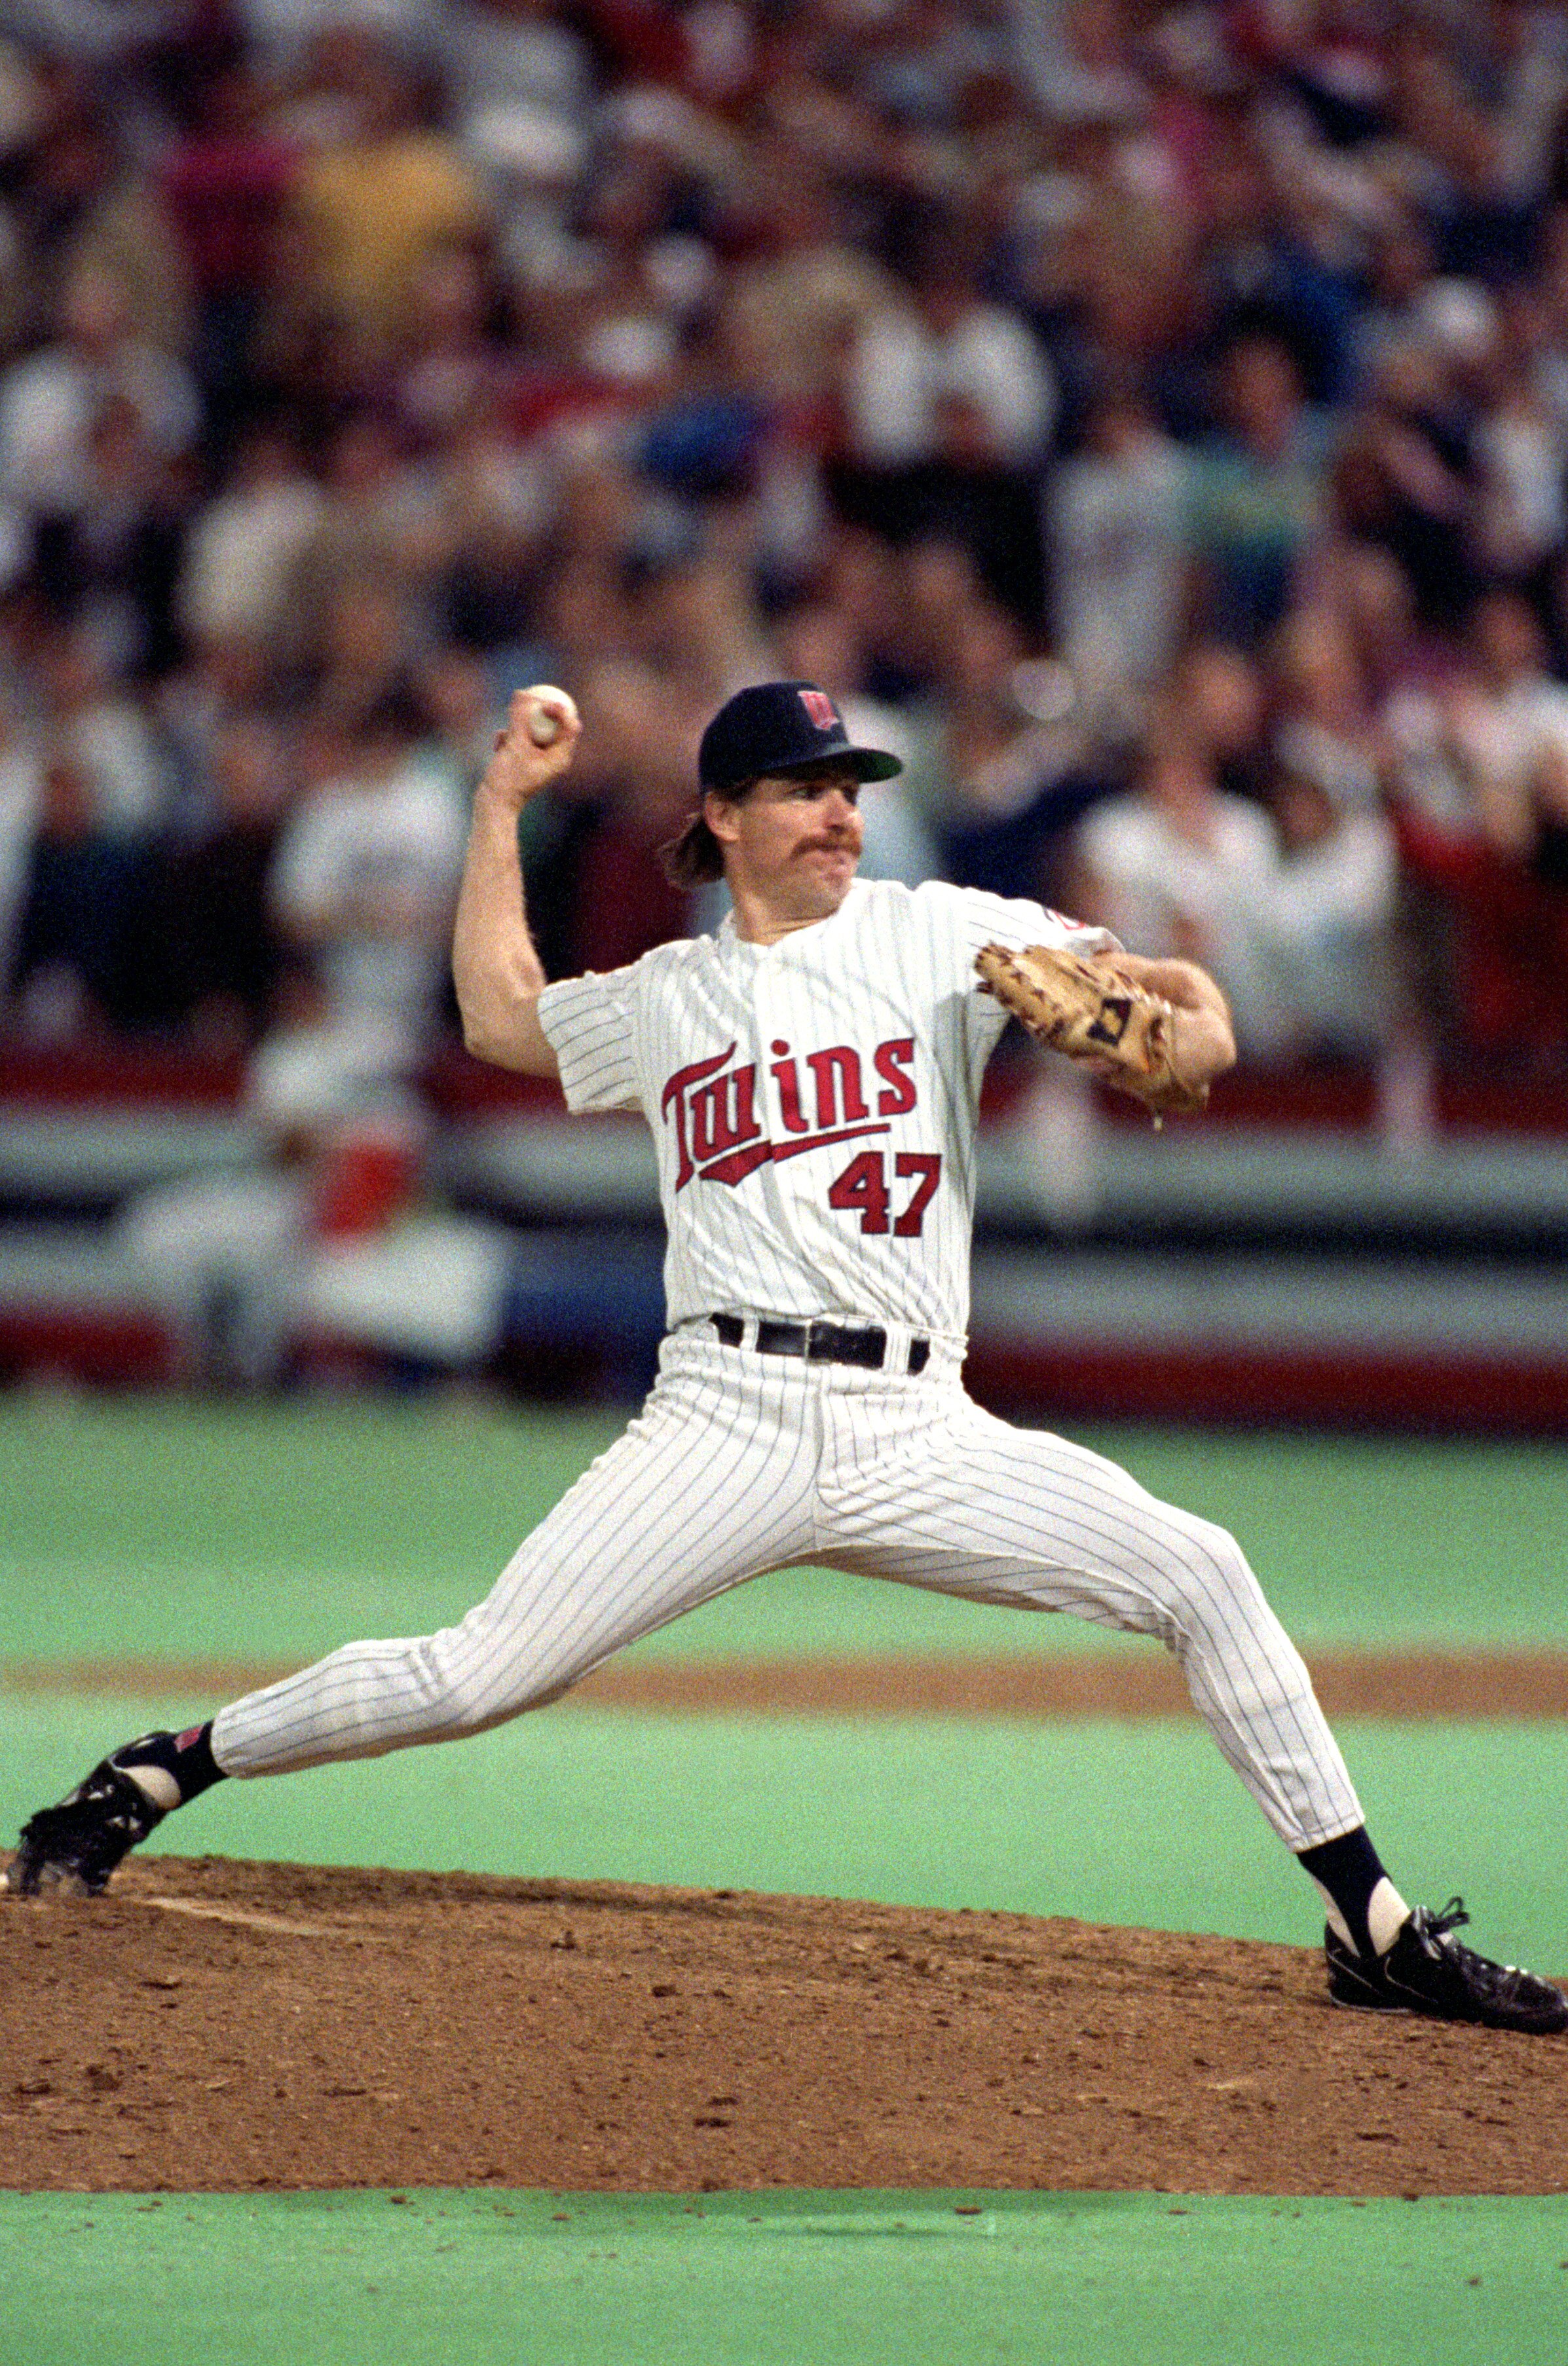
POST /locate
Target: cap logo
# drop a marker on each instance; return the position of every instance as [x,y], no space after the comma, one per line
[820,708]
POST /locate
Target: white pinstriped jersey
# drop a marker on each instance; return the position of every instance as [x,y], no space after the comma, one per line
[813,1101]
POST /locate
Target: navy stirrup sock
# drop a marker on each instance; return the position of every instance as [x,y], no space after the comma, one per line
[183,1760]
[1362,1902]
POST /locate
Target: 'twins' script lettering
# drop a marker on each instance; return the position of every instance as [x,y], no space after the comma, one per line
[719,1135]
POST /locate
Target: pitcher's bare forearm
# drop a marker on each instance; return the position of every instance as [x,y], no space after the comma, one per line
[1204,1035]
[495,965]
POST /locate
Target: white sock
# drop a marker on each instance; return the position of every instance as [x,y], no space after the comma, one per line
[1387,1914]
[158,1787]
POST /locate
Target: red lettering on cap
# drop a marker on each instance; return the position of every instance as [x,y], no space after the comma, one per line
[820,708]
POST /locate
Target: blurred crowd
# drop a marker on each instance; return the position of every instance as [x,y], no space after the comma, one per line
[1152,422]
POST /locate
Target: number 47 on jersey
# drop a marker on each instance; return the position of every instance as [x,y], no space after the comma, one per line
[862,1189]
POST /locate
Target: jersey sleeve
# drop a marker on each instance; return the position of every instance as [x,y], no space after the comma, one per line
[1014,920]
[590,1023]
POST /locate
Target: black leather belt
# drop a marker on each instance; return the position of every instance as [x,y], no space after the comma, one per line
[820,1342]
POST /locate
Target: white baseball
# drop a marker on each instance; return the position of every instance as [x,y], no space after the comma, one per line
[545,722]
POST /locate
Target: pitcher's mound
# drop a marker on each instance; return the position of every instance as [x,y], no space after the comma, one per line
[215,2024]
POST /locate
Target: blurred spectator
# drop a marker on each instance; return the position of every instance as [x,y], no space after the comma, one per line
[288,39]
[212,956]
[1181,864]
[604,520]
[364,881]
[1268,272]
[368,637]
[221,680]
[94,32]
[899,628]
[950,404]
[1009,747]
[1221,698]
[1475,776]
[371,209]
[376,529]
[460,703]
[1371,594]
[447,367]
[1115,525]
[97,724]
[696,619]
[933,340]
[1521,447]
[1486,229]
[1330,912]
[507,64]
[806,288]
[111,565]
[1511,718]
[1517,63]
[1325,730]
[488,511]
[227,182]
[1256,494]
[933,594]
[1405,478]
[51,401]
[638,271]
[704,430]
[73,969]
[85,205]
[621,903]
[1080,60]
[1404,296]
[240,557]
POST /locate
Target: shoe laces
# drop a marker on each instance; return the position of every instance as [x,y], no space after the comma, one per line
[1442,1919]
[1500,1978]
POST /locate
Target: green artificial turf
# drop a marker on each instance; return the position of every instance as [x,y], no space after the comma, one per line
[152,1527]
[767,2278]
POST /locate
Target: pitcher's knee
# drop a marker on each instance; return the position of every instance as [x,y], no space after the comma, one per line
[1208,1580]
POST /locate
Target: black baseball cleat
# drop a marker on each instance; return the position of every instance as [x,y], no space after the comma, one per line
[74,1847]
[1426,1971]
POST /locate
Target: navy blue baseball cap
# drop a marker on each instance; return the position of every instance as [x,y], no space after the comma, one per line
[781,727]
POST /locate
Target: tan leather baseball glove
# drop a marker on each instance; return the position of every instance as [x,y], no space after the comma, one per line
[1094,1012]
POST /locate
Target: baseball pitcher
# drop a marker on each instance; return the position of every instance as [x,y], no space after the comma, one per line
[811,1076]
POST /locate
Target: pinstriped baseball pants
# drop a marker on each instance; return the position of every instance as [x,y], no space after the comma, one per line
[741,1463]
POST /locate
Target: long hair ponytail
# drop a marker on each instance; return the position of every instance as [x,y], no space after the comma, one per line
[696,858]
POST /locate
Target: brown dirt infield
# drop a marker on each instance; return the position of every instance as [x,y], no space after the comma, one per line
[1131,1682]
[229,2026]
[218,2025]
